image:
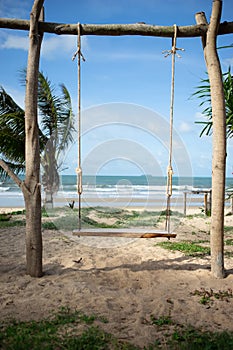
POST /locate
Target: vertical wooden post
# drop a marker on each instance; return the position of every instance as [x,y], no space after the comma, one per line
[31,186]
[219,138]
[209,202]
[185,202]
[205,203]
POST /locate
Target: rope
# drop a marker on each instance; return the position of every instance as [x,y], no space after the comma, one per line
[79,168]
[172,52]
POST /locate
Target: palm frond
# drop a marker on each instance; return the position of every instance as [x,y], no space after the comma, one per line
[203,93]
[12,129]
[55,132]
[48,105]
[66,129]
[225,47]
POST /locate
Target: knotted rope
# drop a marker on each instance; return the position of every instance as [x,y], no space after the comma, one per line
[172,52]
[79,168]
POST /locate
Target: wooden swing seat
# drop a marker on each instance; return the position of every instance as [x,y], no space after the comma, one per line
[127,233]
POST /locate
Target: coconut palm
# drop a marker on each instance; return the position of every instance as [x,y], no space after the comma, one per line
[203,92]
[55,132]
[12,133]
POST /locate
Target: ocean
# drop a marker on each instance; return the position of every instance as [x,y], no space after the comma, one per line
[144,191]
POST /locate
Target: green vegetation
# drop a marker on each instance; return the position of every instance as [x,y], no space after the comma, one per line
[73,330]
[55,133]
[192,339]
[5,217]
[161,321]
[188,248]
[191,216]
[229,242]
[208,296]
[64,331]
[228,254]
[203,93]
[19,212]
[12,223]
[66,219]
[228,229]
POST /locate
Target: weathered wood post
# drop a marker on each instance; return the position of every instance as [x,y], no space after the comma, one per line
[219,138]
[185,202]
[31,186]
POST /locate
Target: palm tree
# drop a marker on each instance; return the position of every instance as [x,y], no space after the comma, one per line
[12,134]
[203,92]
[57,128]
[55,133]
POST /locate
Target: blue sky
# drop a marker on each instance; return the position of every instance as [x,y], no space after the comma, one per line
[124,71]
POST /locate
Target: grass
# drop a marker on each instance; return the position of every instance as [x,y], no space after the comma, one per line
[12,223]
[191,216]
[5,217]
[73,330]
[208,296]
[228,229]
[123,218]
[12,220]
[229,241]
[186,247]
[66,219]
[65,330]
[161,321]
[192,339]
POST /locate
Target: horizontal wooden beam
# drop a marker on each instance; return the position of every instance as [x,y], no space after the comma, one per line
[126,233]
[141,29]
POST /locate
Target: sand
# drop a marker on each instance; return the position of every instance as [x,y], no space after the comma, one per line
[124,280]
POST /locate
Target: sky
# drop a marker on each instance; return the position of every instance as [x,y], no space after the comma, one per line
[125,84]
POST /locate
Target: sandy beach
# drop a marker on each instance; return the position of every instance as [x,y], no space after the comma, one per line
[124,280]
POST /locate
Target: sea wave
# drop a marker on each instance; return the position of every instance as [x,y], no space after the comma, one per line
[112,189]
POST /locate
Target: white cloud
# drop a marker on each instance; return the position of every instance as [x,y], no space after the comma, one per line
[185,127]
[15,9]
[131,56]
[200,117]
[58,45]
[228,62]
[65,45]
[15,42]
[52,46]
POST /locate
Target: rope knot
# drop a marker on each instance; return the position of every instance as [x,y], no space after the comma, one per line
[174,49]
[79,52]
[79,180]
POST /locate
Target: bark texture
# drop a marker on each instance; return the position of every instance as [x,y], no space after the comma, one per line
[142,29]
[31,186]
[219,140]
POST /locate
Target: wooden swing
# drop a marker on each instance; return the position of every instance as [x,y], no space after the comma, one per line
[127,233]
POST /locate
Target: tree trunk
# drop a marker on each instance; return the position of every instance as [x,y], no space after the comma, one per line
[117,29]
[219,140]
[31,186]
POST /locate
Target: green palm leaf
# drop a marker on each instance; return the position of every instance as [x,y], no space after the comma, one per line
[12,133]
[55,132]
[203,93]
